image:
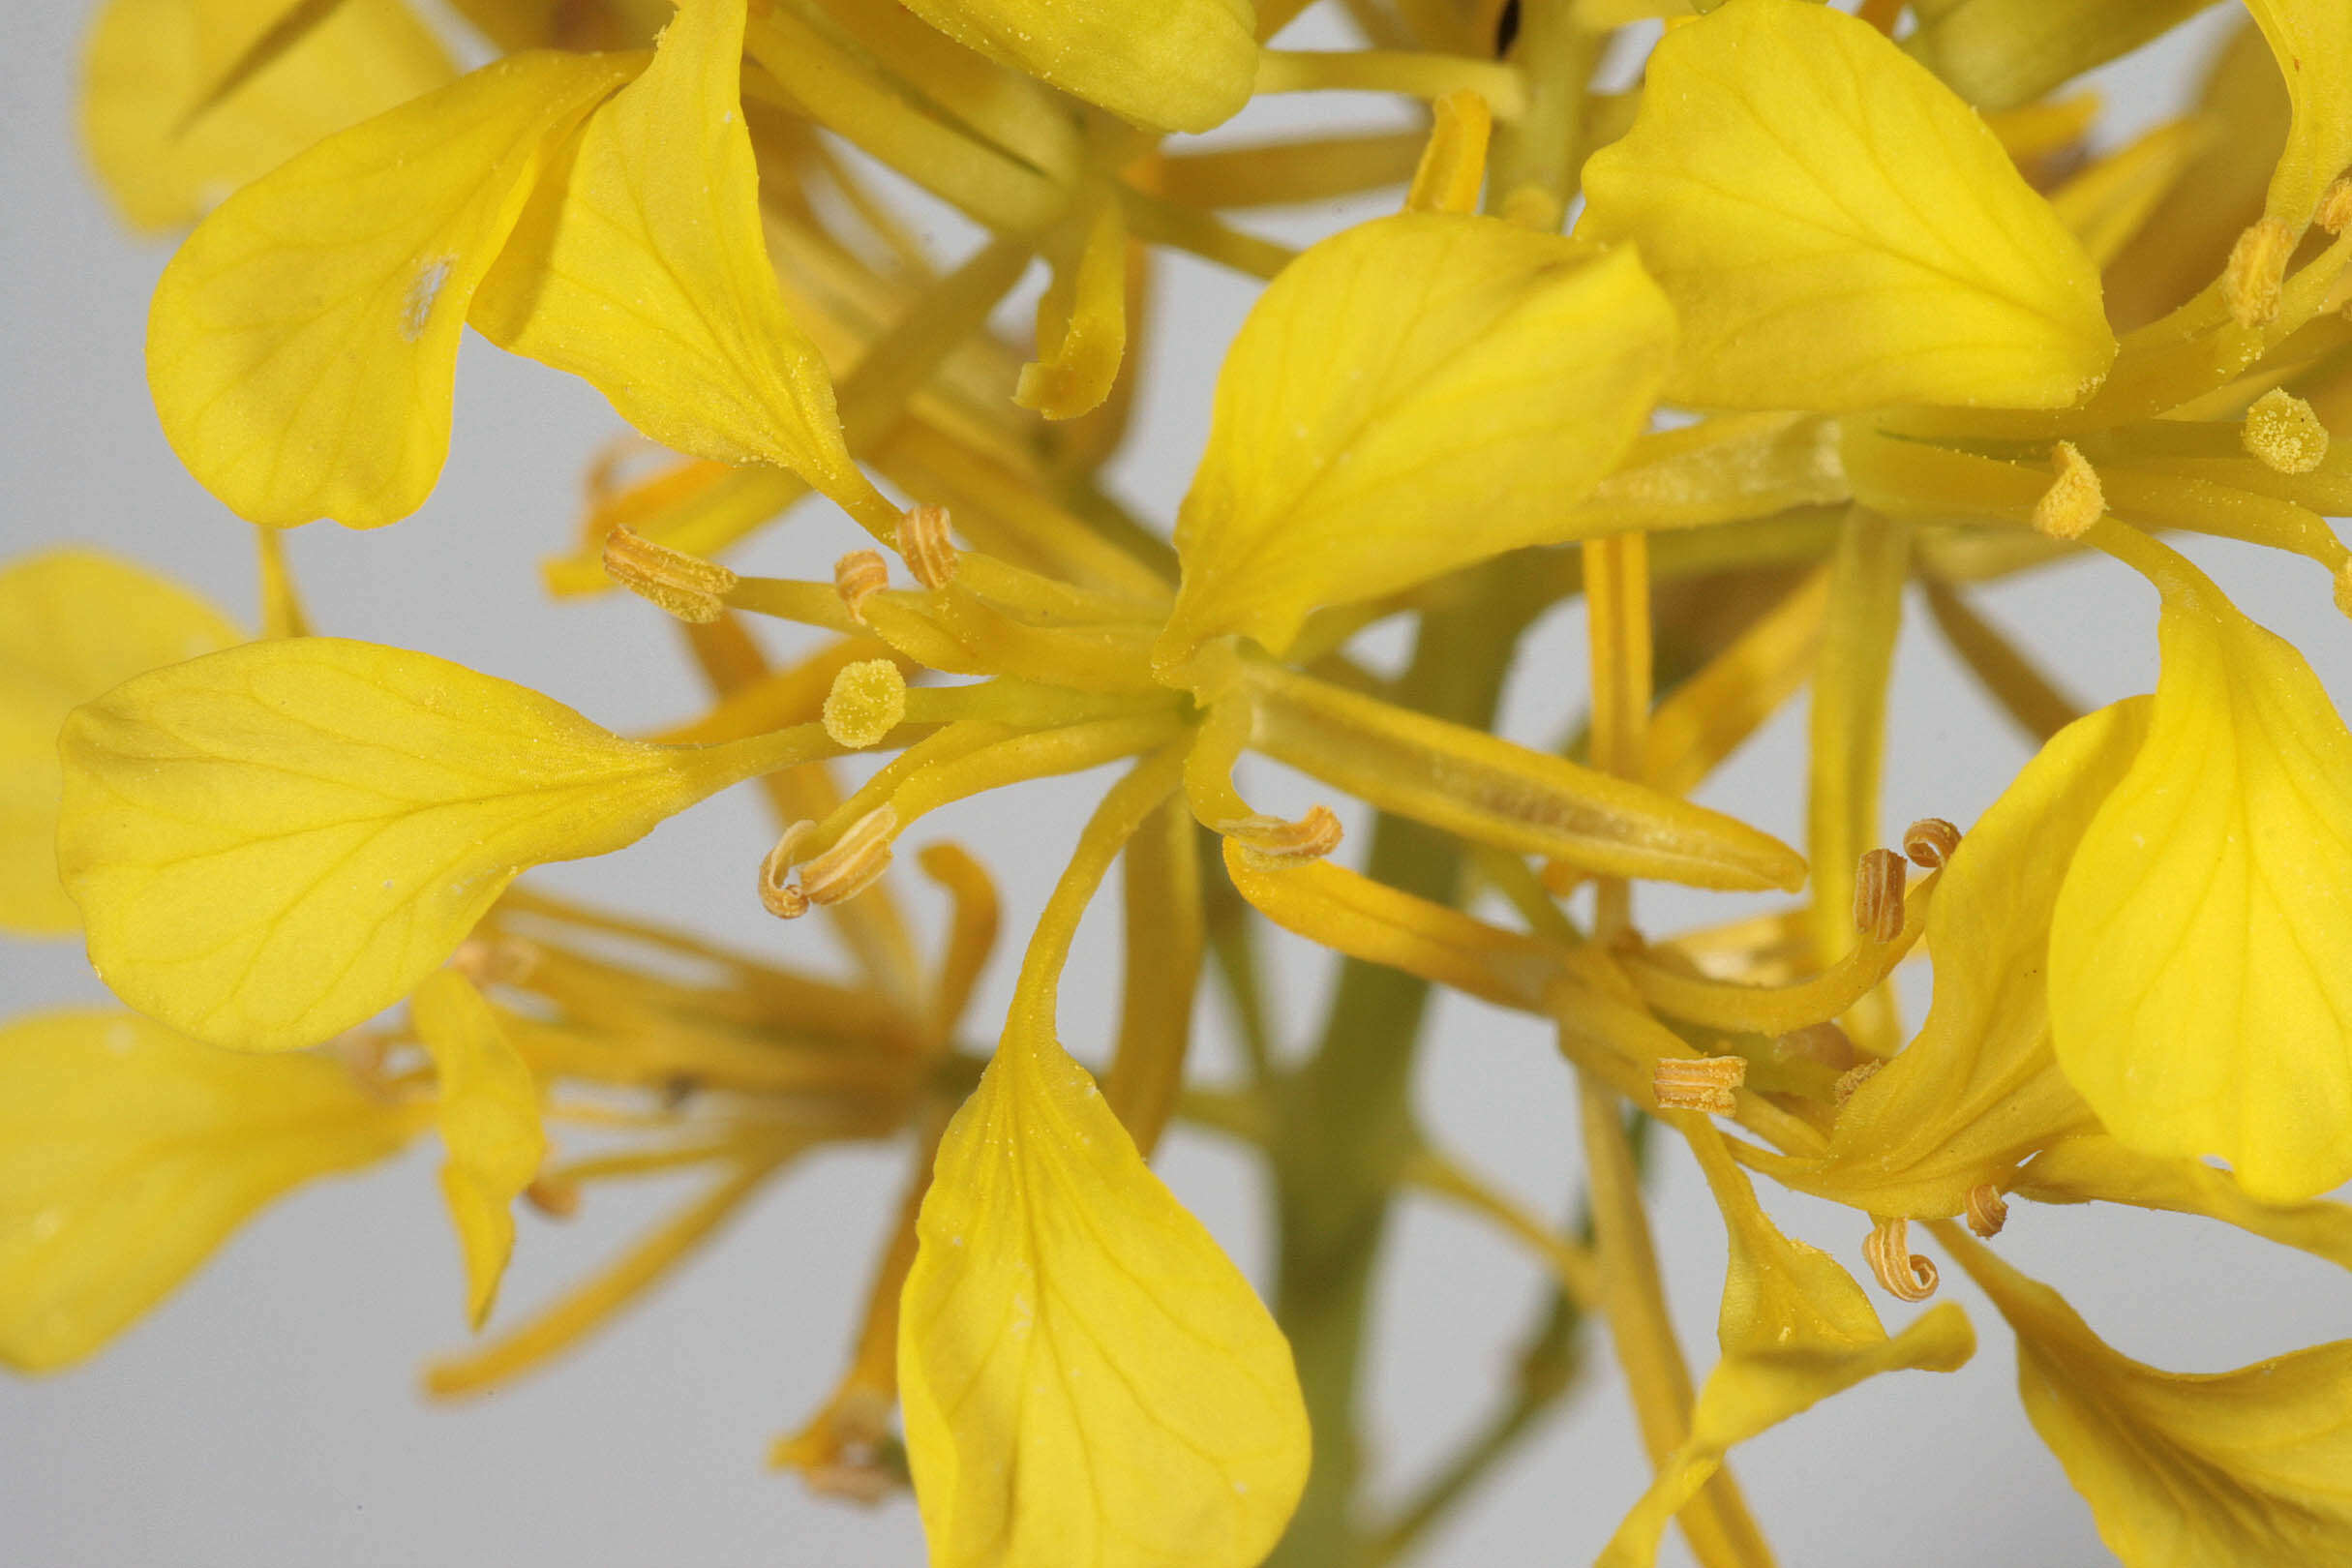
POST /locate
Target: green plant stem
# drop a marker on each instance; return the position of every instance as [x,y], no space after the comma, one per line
[1344,1127]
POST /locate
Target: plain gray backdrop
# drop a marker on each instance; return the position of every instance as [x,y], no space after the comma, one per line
[269,1414]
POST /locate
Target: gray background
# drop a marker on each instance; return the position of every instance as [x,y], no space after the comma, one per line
[269,1414]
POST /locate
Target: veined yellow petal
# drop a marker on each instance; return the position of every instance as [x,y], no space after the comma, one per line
[1796,1329]
[151,62]
[1087,1378]
[1977,1093]
[128,1152]
[639,266]
[2094,1168]
[2201,954]
[1837,231]
[302,345]
[272,843]
[73,623]
[488,1119]
[1408,397]
[1175,65]
[2312,41]
[2182,1470]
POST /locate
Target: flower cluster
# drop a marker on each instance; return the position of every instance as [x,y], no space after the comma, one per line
[1829,305]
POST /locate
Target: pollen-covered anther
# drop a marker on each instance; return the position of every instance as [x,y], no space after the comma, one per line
[868,700]
[2255,280]
[2335,206]
[924,546]
[1878,895]
[556,1199]
[857,577]
[2284,433]
[777,895]
[1698,1083]
[1930,841]
[2068,507]
[1852,1079]
[856,863]
[1987,1209]
[1280,842]
[1904,1273]
[688,586]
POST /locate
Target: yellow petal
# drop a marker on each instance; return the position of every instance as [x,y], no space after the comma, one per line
[2224,1470]
[1087,1378]
[2312,41]
[128,1152]
[657,205]
[1837,231]
[2201,954]
[488,1119]
[73,623]
[2001,53]
[1176,65]
[1796,1329]
[303,343]
[1977,1093]
[272,843]
[1413,395]
[2095,1168]
[151,62]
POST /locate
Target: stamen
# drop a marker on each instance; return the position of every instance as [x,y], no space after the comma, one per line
[780,899]
[557,1200]
[1878,895]
[1987,1209]
[2254,283]
[1930,842]
[1853,1078]
[1698,1083]
[1904,1273]
[857,577]
[2067,508]
[924,545]
[2284,433]
[2344,587]
[856,863]
[1822,1042]
[1276,842]
[496,960]
[688,586]
[868,700]
[2336,207]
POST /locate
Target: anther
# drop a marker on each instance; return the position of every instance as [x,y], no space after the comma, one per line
[556,1199]
[1904,1273]
[868,700]
[688,586]
[1698,1083]
[1878,895]
[2067,508]
[2336,207]
[856,863]
[1852,1079]
[496,960]
[2255,280]
[1987,1209]
[1278,842]
[1930,841]
[1822,1042]
[924,545]
[2284,433]
[857,577]
[776,894]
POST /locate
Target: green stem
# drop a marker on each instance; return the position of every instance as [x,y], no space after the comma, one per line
[1344,1127]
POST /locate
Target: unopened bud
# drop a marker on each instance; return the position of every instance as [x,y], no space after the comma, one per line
[868,700]
[2255,280]
[1904,1273]
[2284,433]
[857,577]
[2067,508]
[1930,841]
[1698,1083]
[1878,895]
[688,586]
[924,546]
[1987,1209]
